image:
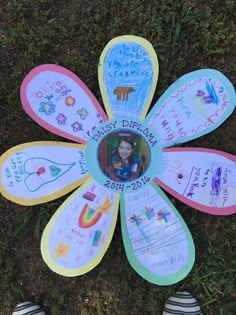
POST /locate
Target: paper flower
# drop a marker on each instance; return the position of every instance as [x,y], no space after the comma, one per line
[70,101]
[157,241]
[47,107]
[77,126]
[82,113]
[61,119]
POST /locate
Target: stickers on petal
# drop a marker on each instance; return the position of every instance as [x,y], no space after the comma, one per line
[196,104]
[128,72]
[38,172]
[60,102]
[157,241]
[205,179]
[79,233]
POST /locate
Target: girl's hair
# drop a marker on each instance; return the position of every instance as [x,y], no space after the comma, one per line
[116,153]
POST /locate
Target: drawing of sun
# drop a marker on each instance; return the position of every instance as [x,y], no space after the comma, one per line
[120,161]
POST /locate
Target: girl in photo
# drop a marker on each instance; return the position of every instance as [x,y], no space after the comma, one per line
[125,166]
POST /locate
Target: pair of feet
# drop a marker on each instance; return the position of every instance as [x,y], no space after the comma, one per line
[180,303]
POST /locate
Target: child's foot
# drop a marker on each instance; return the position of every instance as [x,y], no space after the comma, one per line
[28,308]
[182,303]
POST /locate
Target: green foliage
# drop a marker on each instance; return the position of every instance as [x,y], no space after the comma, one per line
[39,217]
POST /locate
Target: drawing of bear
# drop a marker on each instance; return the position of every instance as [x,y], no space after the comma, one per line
[122,92]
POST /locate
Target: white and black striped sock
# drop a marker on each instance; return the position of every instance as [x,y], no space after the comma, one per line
[182,303]
[28,308]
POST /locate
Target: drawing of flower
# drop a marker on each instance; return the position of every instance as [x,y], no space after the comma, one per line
[162,215]
[47,107]
[70,101]
[135,219]
[200,93]
[207,99]
[77,126]
[61,119]
[83,113]
[149,212]
[165,215]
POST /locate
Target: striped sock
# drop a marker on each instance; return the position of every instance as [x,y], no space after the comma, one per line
[28,308]
[182,303]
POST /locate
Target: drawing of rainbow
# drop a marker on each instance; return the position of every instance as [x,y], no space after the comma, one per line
[96,238]
[88,217]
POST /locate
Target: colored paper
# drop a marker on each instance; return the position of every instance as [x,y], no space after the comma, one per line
[128,72]
[123,155]
[205,179]
[61,103]
[79,233]
[37,172]
[196,104]
[104,161]
[157,241]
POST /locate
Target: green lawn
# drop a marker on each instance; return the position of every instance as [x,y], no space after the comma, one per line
[187,35]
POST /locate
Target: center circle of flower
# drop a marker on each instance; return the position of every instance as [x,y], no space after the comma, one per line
[128,154]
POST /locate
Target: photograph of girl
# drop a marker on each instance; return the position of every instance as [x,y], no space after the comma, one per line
[124,160]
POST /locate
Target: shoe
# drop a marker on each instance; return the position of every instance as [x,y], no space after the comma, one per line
[28,308]
[182,303]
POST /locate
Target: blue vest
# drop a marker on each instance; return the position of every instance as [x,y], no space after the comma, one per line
[124,170]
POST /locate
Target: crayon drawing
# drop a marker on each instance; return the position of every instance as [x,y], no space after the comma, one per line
[128,78]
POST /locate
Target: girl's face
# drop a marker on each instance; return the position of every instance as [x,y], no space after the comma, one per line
[125,150]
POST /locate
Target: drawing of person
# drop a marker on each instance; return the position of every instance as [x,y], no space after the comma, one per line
[125,165]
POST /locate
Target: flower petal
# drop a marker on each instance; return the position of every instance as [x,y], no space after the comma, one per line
[128,72]
[49,91]
[79,233]
[182,114]
[37,172]
[157,241]
[205,179]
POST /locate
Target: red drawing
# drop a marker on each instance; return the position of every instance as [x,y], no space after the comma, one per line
[40,171]
[89,217]
[89,196]
[78,233]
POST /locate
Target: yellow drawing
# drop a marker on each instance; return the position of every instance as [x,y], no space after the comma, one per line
[61,250]
[117,165]
[106,206]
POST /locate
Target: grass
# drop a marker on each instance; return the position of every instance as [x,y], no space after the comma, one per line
[186,35]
